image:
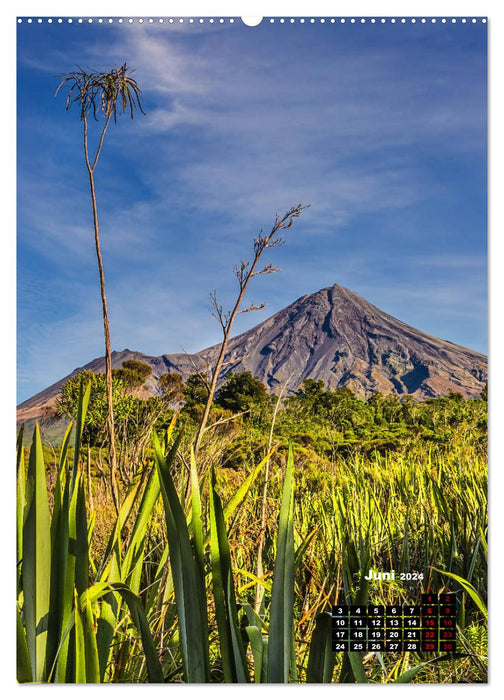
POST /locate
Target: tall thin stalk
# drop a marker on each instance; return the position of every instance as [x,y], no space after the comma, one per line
[244,273]
[103,93]
[106,324]
[264,502]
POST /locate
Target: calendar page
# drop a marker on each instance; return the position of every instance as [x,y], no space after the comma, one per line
[252,372]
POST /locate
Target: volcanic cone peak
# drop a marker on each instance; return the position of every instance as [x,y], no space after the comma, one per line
[339,337]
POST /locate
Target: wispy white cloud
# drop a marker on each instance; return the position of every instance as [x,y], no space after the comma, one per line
[271,133]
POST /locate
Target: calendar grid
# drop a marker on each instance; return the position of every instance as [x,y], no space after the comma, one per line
[427,627]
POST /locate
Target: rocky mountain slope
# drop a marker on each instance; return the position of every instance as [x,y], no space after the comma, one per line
[334,335]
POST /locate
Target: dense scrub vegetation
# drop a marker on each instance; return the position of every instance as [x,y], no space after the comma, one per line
[223,568]
[322,425]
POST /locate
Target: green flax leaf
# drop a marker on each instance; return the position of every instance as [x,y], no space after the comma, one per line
[282,595]
[232,652]
[23,664]
[36,569]
[321,659]
[188,583]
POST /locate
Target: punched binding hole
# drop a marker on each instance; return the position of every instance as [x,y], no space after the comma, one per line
[252,21]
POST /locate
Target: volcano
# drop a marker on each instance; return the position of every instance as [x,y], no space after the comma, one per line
[334,335]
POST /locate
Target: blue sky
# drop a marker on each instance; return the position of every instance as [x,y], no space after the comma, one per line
[381,129]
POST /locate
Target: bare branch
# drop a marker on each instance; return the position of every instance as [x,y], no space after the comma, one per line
[275,243]
[241,271]
[233,361]
[217,313]
[259,245]
[197,370]
[226,420]
[252,307]
[221,316]
[267,270]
